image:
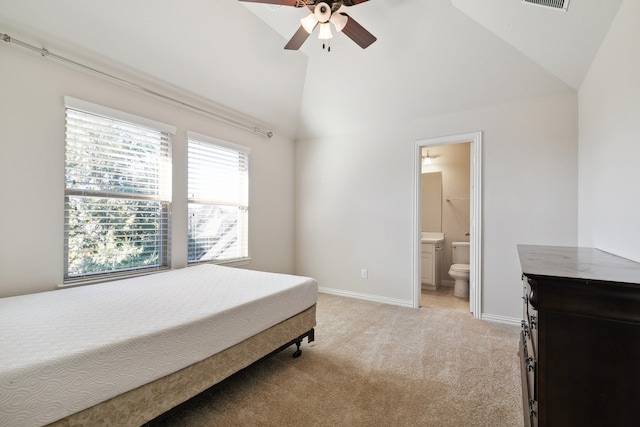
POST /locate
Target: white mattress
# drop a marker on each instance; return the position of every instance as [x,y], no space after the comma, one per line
[66,350]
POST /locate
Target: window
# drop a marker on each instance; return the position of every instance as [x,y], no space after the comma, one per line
[117,192]
[218,192]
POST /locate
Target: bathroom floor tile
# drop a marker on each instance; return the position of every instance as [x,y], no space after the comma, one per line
[443,298]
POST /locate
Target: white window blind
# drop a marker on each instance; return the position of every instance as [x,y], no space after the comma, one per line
[117,192]
[218,189]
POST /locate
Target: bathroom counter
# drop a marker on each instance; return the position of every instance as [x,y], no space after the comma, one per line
[431,237]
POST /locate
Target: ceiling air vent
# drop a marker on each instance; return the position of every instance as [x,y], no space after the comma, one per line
[553,4]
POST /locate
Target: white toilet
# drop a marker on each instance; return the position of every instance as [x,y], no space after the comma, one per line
[459,271]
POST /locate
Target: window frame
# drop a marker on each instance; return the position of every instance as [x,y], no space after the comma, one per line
[242,151]
[163,197]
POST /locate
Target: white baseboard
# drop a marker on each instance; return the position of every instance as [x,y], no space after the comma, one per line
[405,303]
[367,297]
[501,319]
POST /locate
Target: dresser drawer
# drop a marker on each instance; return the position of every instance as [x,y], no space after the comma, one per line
[530,316]
[528,373]
[533,333]
[529,364]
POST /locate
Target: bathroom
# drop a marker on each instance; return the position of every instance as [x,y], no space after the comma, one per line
[445,208]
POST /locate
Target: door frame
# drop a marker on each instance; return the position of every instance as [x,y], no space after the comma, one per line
[475,215]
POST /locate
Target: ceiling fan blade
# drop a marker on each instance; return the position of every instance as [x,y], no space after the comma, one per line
[358,33]
[353,2]
[298,39]
[295,3]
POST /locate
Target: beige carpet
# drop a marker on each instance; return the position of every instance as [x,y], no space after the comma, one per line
[375,365]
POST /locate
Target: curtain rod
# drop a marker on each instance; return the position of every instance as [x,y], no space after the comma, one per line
[45,52]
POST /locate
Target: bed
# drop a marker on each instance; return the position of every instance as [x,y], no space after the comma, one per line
[122,353]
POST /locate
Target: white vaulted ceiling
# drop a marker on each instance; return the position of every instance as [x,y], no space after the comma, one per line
[432,56]
[564,43]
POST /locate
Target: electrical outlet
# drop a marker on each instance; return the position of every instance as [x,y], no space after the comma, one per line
[365,273]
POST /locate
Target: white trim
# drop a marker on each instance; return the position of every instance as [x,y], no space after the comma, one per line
[110,277]
[502,319]
[194,136]
[367,297]
[476,225]
[236,262]
[475,271]
[100,110]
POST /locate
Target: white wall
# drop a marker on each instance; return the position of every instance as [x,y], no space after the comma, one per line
[354,198]
[32,170]
[609,208]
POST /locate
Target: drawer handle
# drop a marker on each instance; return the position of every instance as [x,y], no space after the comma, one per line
[530,364]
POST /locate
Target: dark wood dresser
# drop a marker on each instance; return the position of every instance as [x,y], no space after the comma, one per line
[580,340]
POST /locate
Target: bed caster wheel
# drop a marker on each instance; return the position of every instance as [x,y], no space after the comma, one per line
[298,352]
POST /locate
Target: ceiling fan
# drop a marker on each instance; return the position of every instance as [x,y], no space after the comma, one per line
[324,13]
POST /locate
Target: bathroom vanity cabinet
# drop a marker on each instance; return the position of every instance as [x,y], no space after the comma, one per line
[580,338]
[430,266]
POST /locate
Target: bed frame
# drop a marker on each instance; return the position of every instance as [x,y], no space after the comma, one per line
[140,405]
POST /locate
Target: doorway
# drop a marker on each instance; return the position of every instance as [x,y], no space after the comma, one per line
[475,223]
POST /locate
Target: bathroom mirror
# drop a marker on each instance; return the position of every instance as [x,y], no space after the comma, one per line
[431,201]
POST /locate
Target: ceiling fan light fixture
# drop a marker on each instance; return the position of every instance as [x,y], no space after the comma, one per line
[322,11]
[427,160]
[309,22]
[339,21]
[327,14]
[325,31]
